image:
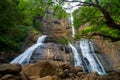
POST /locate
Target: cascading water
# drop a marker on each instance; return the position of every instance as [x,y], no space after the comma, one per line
[87,58]
[77,59]
[93,63]
[24,58]
[73,29]
[69,8]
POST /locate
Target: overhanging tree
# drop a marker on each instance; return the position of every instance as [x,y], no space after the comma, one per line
[96,3]
[107,11]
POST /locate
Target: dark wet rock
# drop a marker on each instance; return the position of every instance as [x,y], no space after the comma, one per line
[6,57]
[114,73]
[67,49]
[51,51]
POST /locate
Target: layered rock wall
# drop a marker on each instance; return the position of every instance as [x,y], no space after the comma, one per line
[53,52]
[108,53]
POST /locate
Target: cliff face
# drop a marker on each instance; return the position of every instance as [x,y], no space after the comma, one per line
[55,28]
[53,52]
[108,53]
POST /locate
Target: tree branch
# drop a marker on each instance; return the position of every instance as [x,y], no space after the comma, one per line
[113,39]
[109,20]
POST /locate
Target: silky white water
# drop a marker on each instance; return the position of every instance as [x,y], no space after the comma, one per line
[70,7]
[24,58]
[77,59]
[90,57]
[73,29]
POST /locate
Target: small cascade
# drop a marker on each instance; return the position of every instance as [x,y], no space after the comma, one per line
[90,58]
[24,58]
[92,50]
[41,39]
[77,58]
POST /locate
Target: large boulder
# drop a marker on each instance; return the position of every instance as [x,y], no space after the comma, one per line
[41,69]
[10,68]
[9,77]
[49,68]
[12,72]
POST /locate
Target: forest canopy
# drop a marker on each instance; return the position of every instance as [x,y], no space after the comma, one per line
[18,18]
[103,18]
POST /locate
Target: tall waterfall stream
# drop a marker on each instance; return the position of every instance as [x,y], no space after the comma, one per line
[24,58]
[87,58]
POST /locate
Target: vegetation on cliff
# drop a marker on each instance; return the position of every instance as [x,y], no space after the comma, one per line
[19,18]
[102,17]
[11,33]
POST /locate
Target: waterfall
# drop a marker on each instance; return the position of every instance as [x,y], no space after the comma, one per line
[77,59]
[90,57]
[92,50]
[70,7]
[24,58]
[73,28]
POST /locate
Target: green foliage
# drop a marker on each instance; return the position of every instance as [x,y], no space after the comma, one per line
[12,41]
[59,12]
[85,14]
[9,16]
[103,29]
[31,8]
[96,20]
[62,40]
[10,33]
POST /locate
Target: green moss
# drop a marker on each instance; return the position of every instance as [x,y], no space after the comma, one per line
[62,40]
[101,29]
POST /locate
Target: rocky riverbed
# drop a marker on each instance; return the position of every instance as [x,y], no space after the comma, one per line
[50,70]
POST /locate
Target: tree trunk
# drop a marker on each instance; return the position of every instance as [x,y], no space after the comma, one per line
[109,21]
